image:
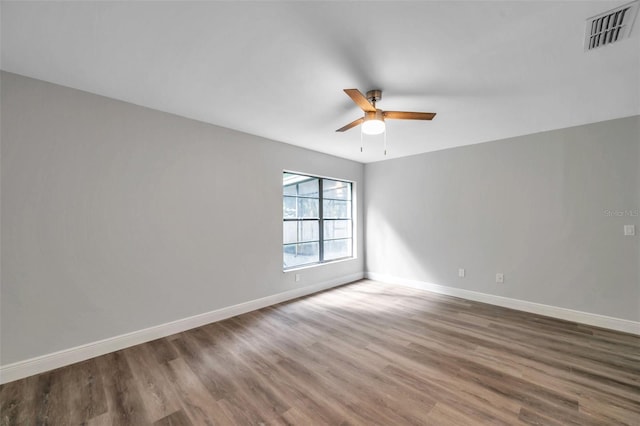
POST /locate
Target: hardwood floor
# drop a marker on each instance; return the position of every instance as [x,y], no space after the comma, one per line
[361,354]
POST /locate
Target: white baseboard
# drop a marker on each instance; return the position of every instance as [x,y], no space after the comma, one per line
[596,320]
[29,367]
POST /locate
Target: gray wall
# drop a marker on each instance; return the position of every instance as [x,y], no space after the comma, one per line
[117,217]
[533,207]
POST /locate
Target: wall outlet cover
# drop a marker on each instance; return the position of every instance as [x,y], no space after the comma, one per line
[499,277]
[629,230]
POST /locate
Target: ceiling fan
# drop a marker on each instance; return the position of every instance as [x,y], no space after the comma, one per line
[373,120]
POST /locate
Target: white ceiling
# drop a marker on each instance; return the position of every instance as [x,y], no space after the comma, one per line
[490,70]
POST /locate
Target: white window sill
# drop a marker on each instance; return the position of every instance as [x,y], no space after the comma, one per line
[315,265]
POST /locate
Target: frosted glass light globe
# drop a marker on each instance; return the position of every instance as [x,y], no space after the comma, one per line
[373,127]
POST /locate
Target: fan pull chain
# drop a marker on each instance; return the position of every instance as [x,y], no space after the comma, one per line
[361,140]
[385,142]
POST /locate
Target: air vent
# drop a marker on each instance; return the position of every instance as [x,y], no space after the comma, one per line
[611,26]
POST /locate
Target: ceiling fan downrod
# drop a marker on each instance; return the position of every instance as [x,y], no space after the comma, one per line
[374,96]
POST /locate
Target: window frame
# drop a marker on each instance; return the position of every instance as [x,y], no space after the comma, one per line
[321,219]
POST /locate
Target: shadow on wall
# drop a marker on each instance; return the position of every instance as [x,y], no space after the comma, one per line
[392,254]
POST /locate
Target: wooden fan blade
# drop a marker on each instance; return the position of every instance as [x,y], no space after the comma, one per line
[360,99]
[350,125]
[401,115]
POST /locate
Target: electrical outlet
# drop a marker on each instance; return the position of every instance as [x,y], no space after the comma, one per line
[297,277]
[461,272]
[499,277]
[630,230]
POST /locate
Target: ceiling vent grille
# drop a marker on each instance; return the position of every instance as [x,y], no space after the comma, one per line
[610,27]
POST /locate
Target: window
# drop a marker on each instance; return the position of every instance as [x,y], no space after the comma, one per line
[317,220]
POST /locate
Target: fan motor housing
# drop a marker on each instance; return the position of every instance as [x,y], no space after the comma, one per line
[374,95]
[374,115]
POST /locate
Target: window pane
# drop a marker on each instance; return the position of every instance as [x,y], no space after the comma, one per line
[308,208]
[289,207]
[290,190]
[337,229]
[289,178]
[309,188]
[335,209]
[336,189]
[336,249]
[305,186]
[299,231]
[299,208]
[300,254]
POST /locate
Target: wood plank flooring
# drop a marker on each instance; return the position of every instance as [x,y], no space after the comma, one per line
[362,354]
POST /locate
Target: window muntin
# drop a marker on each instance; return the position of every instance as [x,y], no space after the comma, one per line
[317,220]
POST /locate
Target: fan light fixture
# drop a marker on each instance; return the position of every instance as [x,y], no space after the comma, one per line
[373,123]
